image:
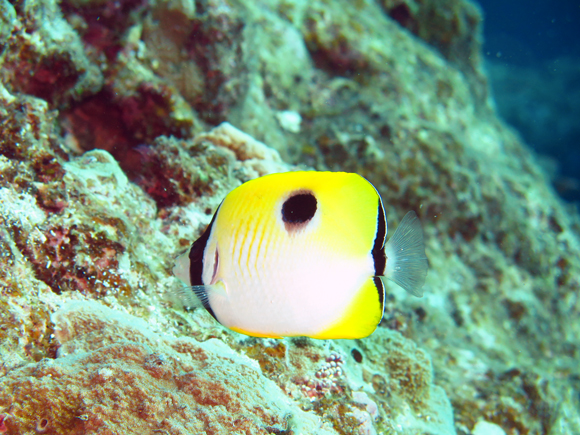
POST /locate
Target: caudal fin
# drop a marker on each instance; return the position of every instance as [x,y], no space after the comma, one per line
[405,251]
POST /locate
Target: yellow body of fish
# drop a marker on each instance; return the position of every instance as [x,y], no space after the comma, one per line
[301,254]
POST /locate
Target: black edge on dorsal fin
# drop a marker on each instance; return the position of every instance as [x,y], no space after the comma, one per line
[196,264]
[378,251]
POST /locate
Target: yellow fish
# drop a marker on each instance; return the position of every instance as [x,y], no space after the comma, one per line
[301,254]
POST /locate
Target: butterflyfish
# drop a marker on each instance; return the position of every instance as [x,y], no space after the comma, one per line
[301,254]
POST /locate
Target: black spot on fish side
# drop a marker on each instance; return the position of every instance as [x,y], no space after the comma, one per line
[299,209]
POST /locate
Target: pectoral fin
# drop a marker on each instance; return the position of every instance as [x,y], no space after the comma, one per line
[199,295]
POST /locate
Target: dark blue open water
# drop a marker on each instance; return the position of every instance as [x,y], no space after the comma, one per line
[533,53]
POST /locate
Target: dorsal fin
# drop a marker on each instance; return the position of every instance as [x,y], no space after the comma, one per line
[378,252]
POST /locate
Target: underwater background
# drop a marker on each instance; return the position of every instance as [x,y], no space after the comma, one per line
[123,124]
[533,62]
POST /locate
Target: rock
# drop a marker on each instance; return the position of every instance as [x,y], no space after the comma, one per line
[486,428]
[115,375]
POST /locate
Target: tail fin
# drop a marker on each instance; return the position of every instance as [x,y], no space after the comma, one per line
[405,251]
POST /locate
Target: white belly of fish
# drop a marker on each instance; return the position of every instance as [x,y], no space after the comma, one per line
[286,288]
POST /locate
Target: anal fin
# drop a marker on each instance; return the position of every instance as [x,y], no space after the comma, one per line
[361,317]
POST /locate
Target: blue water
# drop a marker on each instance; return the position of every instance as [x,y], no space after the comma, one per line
[532,48]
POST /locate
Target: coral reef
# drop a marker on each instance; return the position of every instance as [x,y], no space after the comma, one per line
[43,56]
[126,379]
[124,124]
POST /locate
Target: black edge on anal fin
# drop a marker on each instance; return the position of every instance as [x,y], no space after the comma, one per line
[196,265]
[379,258]
[381,291]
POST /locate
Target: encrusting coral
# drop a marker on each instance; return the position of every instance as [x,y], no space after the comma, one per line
[111,364]
[113,375]
[124,124]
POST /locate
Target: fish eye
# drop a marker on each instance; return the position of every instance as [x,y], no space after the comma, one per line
[299,208]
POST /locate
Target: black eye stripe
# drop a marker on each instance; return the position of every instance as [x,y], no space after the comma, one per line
[196,255]
[299,208]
